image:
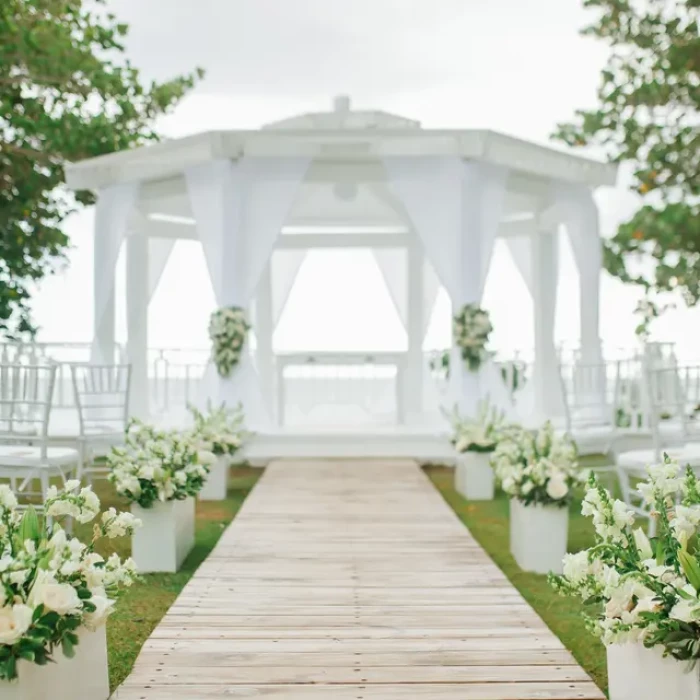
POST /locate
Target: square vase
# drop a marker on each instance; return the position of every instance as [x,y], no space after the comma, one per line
[474,477]
[166,537]
[216,484]
[538,536]
[638,673]
[84,677]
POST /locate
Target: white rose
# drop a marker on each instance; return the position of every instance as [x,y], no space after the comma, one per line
[14,622]
[557,488]
[686,610]
[59,597]
[103,606]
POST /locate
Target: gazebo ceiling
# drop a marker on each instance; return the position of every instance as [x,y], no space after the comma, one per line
[346,146]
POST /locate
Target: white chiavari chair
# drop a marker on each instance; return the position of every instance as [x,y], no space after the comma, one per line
[26,395]
[671,394]
[102,399]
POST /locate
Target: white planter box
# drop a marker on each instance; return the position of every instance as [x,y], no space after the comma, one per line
[215,487]
[538,536]
[84,677]
[166,537]
[637,673]
[474,477]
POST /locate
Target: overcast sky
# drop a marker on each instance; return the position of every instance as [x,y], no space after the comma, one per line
[510,65]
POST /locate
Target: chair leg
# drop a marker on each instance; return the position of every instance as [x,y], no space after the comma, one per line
[44,484]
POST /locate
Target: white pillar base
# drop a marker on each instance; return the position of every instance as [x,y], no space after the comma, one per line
[215,488]
[85,676]
[538,536]
[638,673]
[166,537]
[474,477]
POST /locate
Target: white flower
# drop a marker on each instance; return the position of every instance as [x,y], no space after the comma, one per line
[686,610]
[103,605]
[8,499]
[59,597]
[576,566]
[557,488]
[643,544]
[14,622]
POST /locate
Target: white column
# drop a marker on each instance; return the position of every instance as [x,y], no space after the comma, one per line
[413,388]
[103,323]
[548,402]
[137,295]
[264,329]
[589,280]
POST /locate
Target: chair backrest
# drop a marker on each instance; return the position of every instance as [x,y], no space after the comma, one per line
[26,395]
[588,393]
[102,397]
[673,394]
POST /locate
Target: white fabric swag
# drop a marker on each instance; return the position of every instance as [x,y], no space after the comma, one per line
[159,251]
[580,216]
[240,208]
[115,206]
[285,266]
[456,207]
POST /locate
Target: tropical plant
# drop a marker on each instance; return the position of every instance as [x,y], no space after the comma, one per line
[649,117]
[67,92]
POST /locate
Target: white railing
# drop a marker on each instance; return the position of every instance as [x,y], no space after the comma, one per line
[308,388]
[340,388]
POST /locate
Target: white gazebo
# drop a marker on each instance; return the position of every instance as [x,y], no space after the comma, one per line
[346,178]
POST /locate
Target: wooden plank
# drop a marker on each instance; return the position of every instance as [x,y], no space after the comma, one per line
[351,581]
[428,691]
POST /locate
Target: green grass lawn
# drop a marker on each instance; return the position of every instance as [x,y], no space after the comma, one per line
[142,607]
[488,523]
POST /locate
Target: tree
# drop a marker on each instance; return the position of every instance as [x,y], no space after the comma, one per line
[649,116]
[67,92]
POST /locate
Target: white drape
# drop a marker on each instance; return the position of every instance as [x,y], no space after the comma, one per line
[240,208]
[159,250]
[115,205]
[393,264]
[579,213]
[285,266]
[455,207]
[520,250]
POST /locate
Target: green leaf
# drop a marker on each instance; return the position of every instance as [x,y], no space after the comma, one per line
[690,567]
[68,647]
[29,527]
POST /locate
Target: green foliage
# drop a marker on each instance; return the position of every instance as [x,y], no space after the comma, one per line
[649,116]
[66,93]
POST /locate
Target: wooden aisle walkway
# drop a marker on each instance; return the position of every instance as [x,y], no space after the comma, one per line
[351,581]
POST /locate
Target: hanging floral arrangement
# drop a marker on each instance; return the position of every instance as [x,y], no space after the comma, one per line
[228,328]
[471,328]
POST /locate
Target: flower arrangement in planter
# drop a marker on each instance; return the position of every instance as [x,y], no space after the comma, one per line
[56,593]
[643,595]
[539,472]
[474,440]
[221,432]
[228,330]
[471,328]
[160,473]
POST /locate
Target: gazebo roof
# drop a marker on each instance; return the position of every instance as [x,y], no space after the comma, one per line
[342,137]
